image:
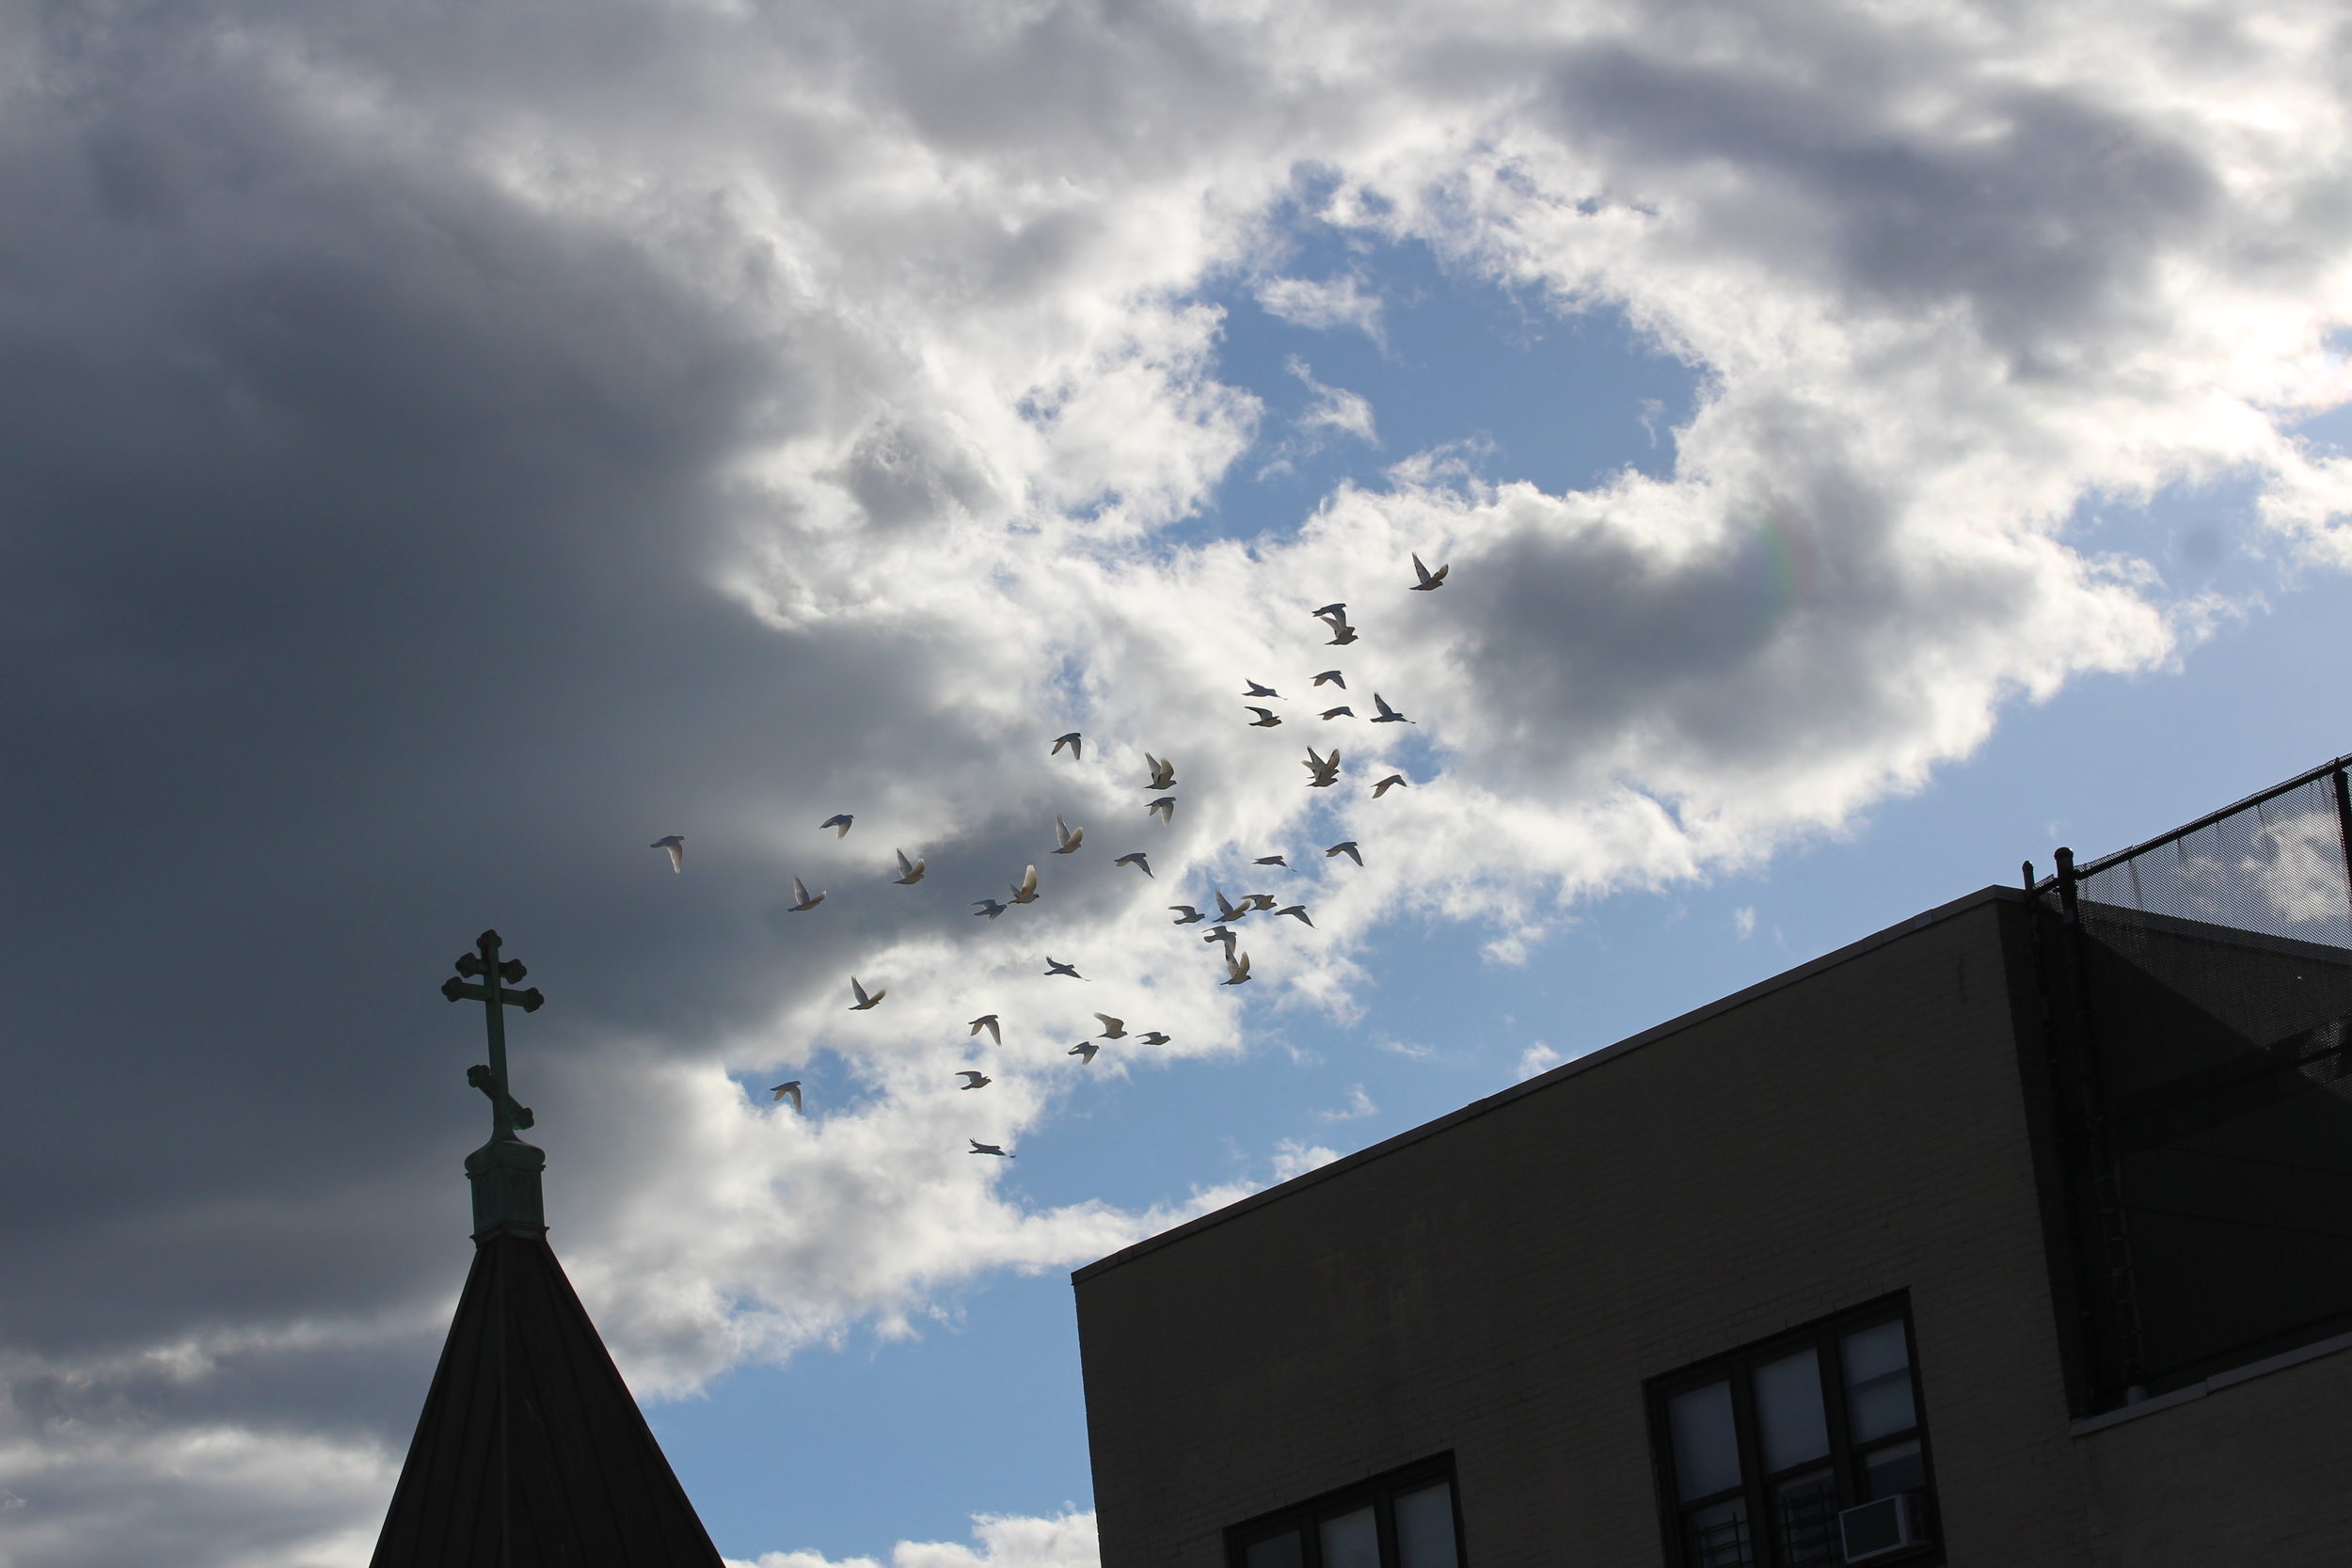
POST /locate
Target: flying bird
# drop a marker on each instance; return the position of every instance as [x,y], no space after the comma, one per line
[864,1002]
[1396,781]
[1335,616]
[975,1080]
[1345,847]
[1070,838]
[1164,808]
[1430,581]
[1138,860]
[1236,970]
[1076,743]
[675,844]
[980,1147]
[1272,860]
[910,872]
[1086,1049]
[839,823]
[1342,635]
[799,890]
[1218,933]
[1024,890]
[1154,1037]
[789,1091]
[1332,611]
[1339,713]
[987,906]
[1113,1028]
[1299,910]
[1261,901]
[1163,772]
[1386,715]
[1257,690]
[1226,910]
[1332,677]
[1055,966]
[1266,719]
[1323,771]
[1186,914]
[988,1021]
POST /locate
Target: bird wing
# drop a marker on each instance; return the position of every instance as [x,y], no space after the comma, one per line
[1028,882]
[859,990]
[799,890]
[677,856]
[1421,569]
[1438,576]
[905,865]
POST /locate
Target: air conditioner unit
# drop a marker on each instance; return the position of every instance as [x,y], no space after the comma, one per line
[1882,1529]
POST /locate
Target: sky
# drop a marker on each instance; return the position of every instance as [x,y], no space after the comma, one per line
[447,448]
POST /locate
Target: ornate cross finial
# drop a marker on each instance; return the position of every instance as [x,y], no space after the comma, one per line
[505,1114]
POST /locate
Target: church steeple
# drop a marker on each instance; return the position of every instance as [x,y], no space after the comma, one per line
[531,1453]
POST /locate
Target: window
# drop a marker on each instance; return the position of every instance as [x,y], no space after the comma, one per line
[1758,1452]
[1405,1519]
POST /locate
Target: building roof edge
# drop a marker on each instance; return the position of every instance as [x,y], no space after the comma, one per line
[1585,1063]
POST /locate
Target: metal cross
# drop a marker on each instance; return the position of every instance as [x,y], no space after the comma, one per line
[505,1116]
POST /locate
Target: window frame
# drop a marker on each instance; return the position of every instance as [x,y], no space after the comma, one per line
[1380,1490]
[1823,1337]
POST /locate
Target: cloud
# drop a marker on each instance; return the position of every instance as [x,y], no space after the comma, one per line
[1293,1157]
[1065,1541]
[1341,302]
[1358,1106]
[1538,1058]
[1744,921]
[443,453]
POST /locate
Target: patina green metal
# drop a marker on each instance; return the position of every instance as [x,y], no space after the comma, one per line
[505,1171]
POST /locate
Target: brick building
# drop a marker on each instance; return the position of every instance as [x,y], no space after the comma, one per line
[2014,1234]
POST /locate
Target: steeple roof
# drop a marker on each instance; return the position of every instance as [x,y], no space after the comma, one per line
[531,1451]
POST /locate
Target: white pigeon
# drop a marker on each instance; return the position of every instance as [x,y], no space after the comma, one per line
[789,1091]
[1332,677]
[1186,914]
[988,1021]
[1226,910]
[799,890]
[1154,1037]
[1266,719]
[1068,838]
[839,823]
[1220,933]
[1332,611]
[1323,772]
[1387,714]
[1257,690]
[1086,1049]
[980,1147]
[1299,910]
[1342,712]
[1237,970]
[1076,743]
[987,906]
[975,1080]
[1024,890]
[1345,847]
[1139,861]
[675,844]
[1055,966]
[1430,581]
[1163,772]
[1113,1028]
[1272,860]
[1260,900]
[1392,781]
[910,872]
[1164,808]
[864,1002]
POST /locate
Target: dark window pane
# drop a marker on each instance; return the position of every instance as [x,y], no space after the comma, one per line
[1889,1471]
[1804,1517]
[1424,1527]
[1351,1541]
[1275,1551]
[1716,1536]
[1788,1414]
[1878,1381]
[1707,1449]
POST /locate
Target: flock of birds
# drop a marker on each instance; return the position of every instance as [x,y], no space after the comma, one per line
[1323,772]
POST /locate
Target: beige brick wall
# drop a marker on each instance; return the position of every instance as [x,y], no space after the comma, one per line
[1501,1286]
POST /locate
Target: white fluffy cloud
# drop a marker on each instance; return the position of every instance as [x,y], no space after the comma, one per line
[1065,1541]
[824,380]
